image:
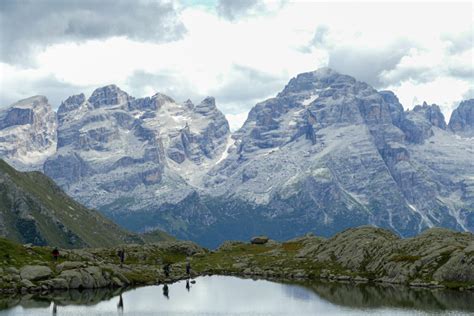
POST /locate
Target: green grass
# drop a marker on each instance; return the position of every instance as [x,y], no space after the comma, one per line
[15,255]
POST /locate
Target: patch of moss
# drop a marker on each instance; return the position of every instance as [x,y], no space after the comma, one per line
[404,257]
[292,246]
[140,277]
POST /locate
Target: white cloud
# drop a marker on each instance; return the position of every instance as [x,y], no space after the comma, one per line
[444,91]
[421,50]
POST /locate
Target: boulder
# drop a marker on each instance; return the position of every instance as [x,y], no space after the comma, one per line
[12,270]
[34,273]
[116,281]
[69,265]
[58,283]
[26,283]
[259,240]
[73,278]
[239,265]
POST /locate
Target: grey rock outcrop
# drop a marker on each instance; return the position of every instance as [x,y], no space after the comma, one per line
[437,255]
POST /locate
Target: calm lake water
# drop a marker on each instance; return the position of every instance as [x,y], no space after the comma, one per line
[222,295]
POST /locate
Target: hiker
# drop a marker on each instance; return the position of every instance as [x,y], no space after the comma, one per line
[55,254]
[166,268]
[121,255]
[188,268]
[187,285]
[55,309]
[166,291]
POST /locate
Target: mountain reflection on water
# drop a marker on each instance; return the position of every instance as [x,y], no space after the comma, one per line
[223,295]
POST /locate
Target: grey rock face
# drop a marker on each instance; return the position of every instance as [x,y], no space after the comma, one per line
[28,133]
[462,119]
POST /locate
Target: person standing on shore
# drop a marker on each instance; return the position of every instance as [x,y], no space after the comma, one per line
[55,254]
[166,269]
[188,268]
[121,255]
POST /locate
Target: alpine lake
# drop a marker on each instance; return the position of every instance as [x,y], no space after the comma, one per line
[228,295]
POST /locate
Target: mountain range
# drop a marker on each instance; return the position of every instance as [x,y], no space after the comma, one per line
[327,153]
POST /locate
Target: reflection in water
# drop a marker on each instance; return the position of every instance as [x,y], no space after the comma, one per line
[219,295]
[120,305]
[166,291]
[386,295]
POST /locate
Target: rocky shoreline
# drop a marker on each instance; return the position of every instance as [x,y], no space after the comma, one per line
[437,258]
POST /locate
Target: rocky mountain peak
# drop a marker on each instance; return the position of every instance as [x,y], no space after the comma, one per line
[23,112]
[432,113]
[108,95]
[70,104]
[462,119]
[28,132]
[151,103]
[319,79]
[207,105]
[189,104]
[162,98]
[313,101]
[31,102]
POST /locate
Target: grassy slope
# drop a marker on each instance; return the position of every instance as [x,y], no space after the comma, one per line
[156,236]
[45,201]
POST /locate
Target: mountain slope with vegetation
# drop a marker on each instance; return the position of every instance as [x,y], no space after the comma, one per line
[33,209]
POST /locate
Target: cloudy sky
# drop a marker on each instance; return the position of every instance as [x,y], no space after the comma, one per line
[239,51]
